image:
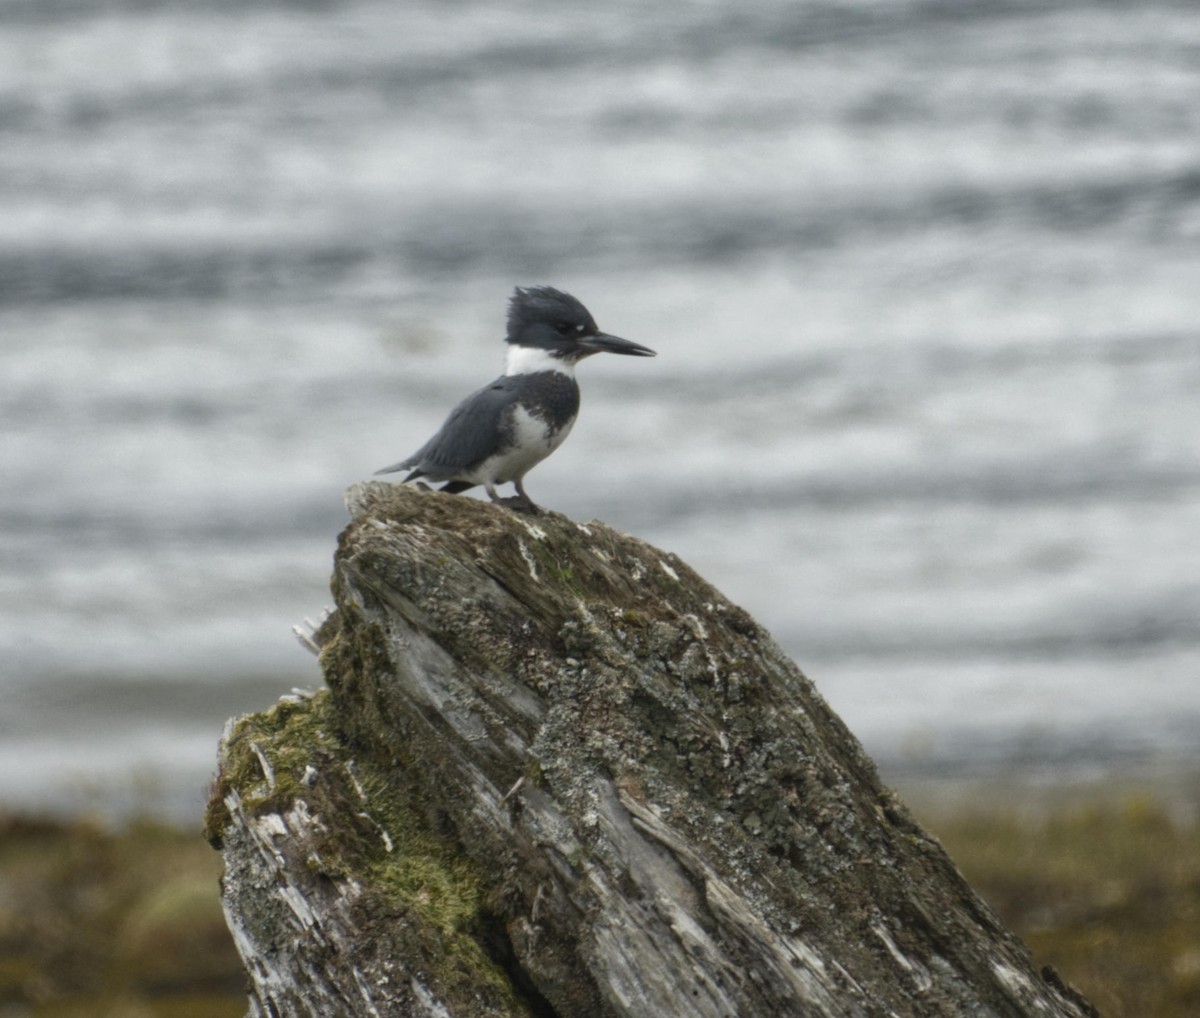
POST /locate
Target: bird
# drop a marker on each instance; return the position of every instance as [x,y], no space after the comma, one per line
[502,431]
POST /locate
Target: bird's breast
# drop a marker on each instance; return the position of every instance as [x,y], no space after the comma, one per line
[532,426]
[529,430]
[527,440]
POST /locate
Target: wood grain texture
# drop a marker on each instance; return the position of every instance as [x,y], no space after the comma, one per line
[557,774]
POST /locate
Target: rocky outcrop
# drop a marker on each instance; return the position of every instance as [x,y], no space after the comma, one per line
[555,773]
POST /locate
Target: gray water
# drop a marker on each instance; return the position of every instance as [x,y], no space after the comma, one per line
[923,278]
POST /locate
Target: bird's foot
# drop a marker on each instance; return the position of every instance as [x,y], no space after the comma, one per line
[518,504]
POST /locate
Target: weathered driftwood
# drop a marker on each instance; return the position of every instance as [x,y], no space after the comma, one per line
[557,773]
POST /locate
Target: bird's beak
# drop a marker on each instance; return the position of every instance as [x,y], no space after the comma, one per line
[602,342]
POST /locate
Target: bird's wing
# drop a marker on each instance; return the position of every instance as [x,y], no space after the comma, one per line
[470,435]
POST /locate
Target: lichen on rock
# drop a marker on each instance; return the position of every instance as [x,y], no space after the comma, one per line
[557,773]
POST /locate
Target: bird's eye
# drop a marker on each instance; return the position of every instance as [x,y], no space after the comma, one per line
[566,328]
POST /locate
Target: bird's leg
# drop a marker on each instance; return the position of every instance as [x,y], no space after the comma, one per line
[521,503]
[528,506]
[520,486]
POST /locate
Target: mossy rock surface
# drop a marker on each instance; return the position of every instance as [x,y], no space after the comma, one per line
[348,836]
[557,773]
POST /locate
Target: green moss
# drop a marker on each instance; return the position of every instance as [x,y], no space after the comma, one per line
[442,897]
[534,774]
[385,839]
[290,736]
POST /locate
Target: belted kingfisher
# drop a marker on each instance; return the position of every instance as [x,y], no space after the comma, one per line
[504,430]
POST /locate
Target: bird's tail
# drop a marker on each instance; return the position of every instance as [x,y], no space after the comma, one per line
[395,467]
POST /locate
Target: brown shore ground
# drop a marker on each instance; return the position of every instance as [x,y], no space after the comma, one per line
[126,923]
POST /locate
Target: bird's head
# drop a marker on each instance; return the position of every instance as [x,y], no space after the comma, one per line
[542,318]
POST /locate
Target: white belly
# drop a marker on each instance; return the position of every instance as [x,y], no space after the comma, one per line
[533,442]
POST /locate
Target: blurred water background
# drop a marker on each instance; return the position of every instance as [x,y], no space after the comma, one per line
[924,279]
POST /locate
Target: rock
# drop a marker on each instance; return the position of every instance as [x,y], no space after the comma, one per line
[555,773]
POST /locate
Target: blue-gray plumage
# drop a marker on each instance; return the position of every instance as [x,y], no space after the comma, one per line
[501,432]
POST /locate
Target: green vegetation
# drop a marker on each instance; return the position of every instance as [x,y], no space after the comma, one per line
[103,923]
[1107,894]
[295,731]
[109,924]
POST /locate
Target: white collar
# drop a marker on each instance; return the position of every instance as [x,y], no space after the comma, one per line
[528,360]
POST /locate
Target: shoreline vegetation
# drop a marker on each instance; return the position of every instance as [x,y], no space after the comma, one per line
[1103,885]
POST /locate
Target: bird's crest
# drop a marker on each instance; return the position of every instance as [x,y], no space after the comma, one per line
[530,304]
